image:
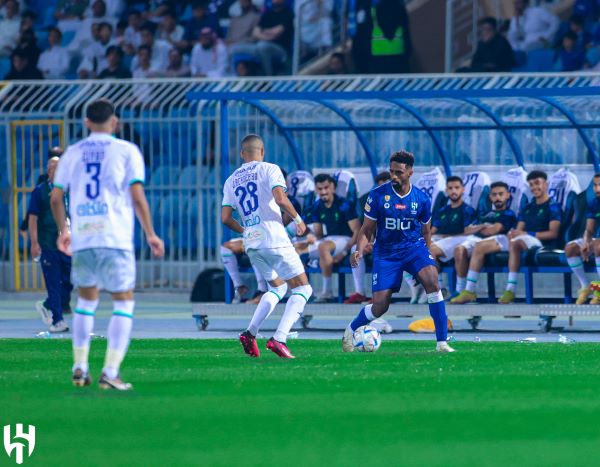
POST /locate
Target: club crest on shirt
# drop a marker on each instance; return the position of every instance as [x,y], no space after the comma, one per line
[413,208]
[386,197]
[367,207]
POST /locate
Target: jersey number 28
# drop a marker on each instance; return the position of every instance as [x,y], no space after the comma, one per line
[248,197]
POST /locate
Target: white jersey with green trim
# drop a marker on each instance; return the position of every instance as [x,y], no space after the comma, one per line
[249,190]
[97,172]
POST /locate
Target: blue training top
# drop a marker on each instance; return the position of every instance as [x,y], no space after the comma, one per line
[399,218]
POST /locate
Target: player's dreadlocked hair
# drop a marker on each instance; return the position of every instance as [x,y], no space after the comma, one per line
[403,157]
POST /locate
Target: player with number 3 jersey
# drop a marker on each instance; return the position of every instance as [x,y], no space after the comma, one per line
[257,191]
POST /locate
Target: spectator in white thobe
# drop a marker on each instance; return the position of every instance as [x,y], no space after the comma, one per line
[209,56]
[10,27]
[532,27]
[54,61]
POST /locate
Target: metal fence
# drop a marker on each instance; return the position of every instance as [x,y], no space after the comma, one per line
[189,133]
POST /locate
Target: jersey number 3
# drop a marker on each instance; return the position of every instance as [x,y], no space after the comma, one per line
[248,197]
[92,190]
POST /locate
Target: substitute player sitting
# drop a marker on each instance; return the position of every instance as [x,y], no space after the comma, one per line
[399,217]
[498,220]
[336,226]
[257,191]
[538,223]
[578,251]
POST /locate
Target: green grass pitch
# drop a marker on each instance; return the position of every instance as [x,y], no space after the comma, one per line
[203,402]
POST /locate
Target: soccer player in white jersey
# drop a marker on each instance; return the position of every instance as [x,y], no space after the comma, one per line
[257,190]
[104,177]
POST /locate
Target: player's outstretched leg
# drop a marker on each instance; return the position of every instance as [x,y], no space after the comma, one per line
[83,324]
[364,317]
[119,333]
[437,310]
[293,310]
[265,307]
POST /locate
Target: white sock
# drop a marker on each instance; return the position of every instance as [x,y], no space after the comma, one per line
[472,277]
[358,274]
[576,265]
[461,282]
[260,280]
[230,263]
[265,307]
[597,260]
[410,280]
[83,324]
[293,310]
[511,284]
[327,285]
[119,333]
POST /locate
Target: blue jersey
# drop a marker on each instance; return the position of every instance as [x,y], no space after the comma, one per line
[399,218]
[507,218]
[593,212]
[452,221]
[537,217]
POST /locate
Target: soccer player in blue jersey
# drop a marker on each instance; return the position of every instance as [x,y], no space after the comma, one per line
[399,217]
[579,250]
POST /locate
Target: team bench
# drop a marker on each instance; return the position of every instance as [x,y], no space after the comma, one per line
[533,262]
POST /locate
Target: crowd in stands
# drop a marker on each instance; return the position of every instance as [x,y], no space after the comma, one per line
[534,39]
[84,39]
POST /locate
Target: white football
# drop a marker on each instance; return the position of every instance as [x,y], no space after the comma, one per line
[366,339]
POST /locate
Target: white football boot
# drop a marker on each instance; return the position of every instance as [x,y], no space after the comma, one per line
[444,347]
[347,345]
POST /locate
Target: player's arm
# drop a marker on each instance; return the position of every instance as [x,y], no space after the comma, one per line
[426,231]
[32,225]
[354,225]
[228,220]
[518,230]
[286,206]
[550,234]
[57,205]
[142,211]
[474,228]
[491,229]
[588,234]
[366,232]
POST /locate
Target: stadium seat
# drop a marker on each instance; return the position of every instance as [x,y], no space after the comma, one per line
[162,177]
[540,60]
[188,177]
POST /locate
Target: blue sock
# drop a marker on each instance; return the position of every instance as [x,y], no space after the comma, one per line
[438,313]
[362,319]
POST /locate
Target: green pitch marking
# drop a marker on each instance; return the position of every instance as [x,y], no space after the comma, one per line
[201,402]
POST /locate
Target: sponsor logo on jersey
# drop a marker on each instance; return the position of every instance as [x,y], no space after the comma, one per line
[92,209]
[398,224]
[400,206]
[386,205]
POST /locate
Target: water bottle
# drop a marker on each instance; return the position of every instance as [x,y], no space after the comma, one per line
[292,335]
[565,340]
[36,259]
[43,335]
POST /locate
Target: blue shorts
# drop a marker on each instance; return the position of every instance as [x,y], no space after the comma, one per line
[388,271]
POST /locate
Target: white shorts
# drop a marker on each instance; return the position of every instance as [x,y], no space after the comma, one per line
[340,243]
[470,242]
[529,240]
[276,262]
[448,244]
[105,268]
[579,241]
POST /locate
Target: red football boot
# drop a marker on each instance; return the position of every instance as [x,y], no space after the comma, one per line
[248,342]
[279,348]
[356,299]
